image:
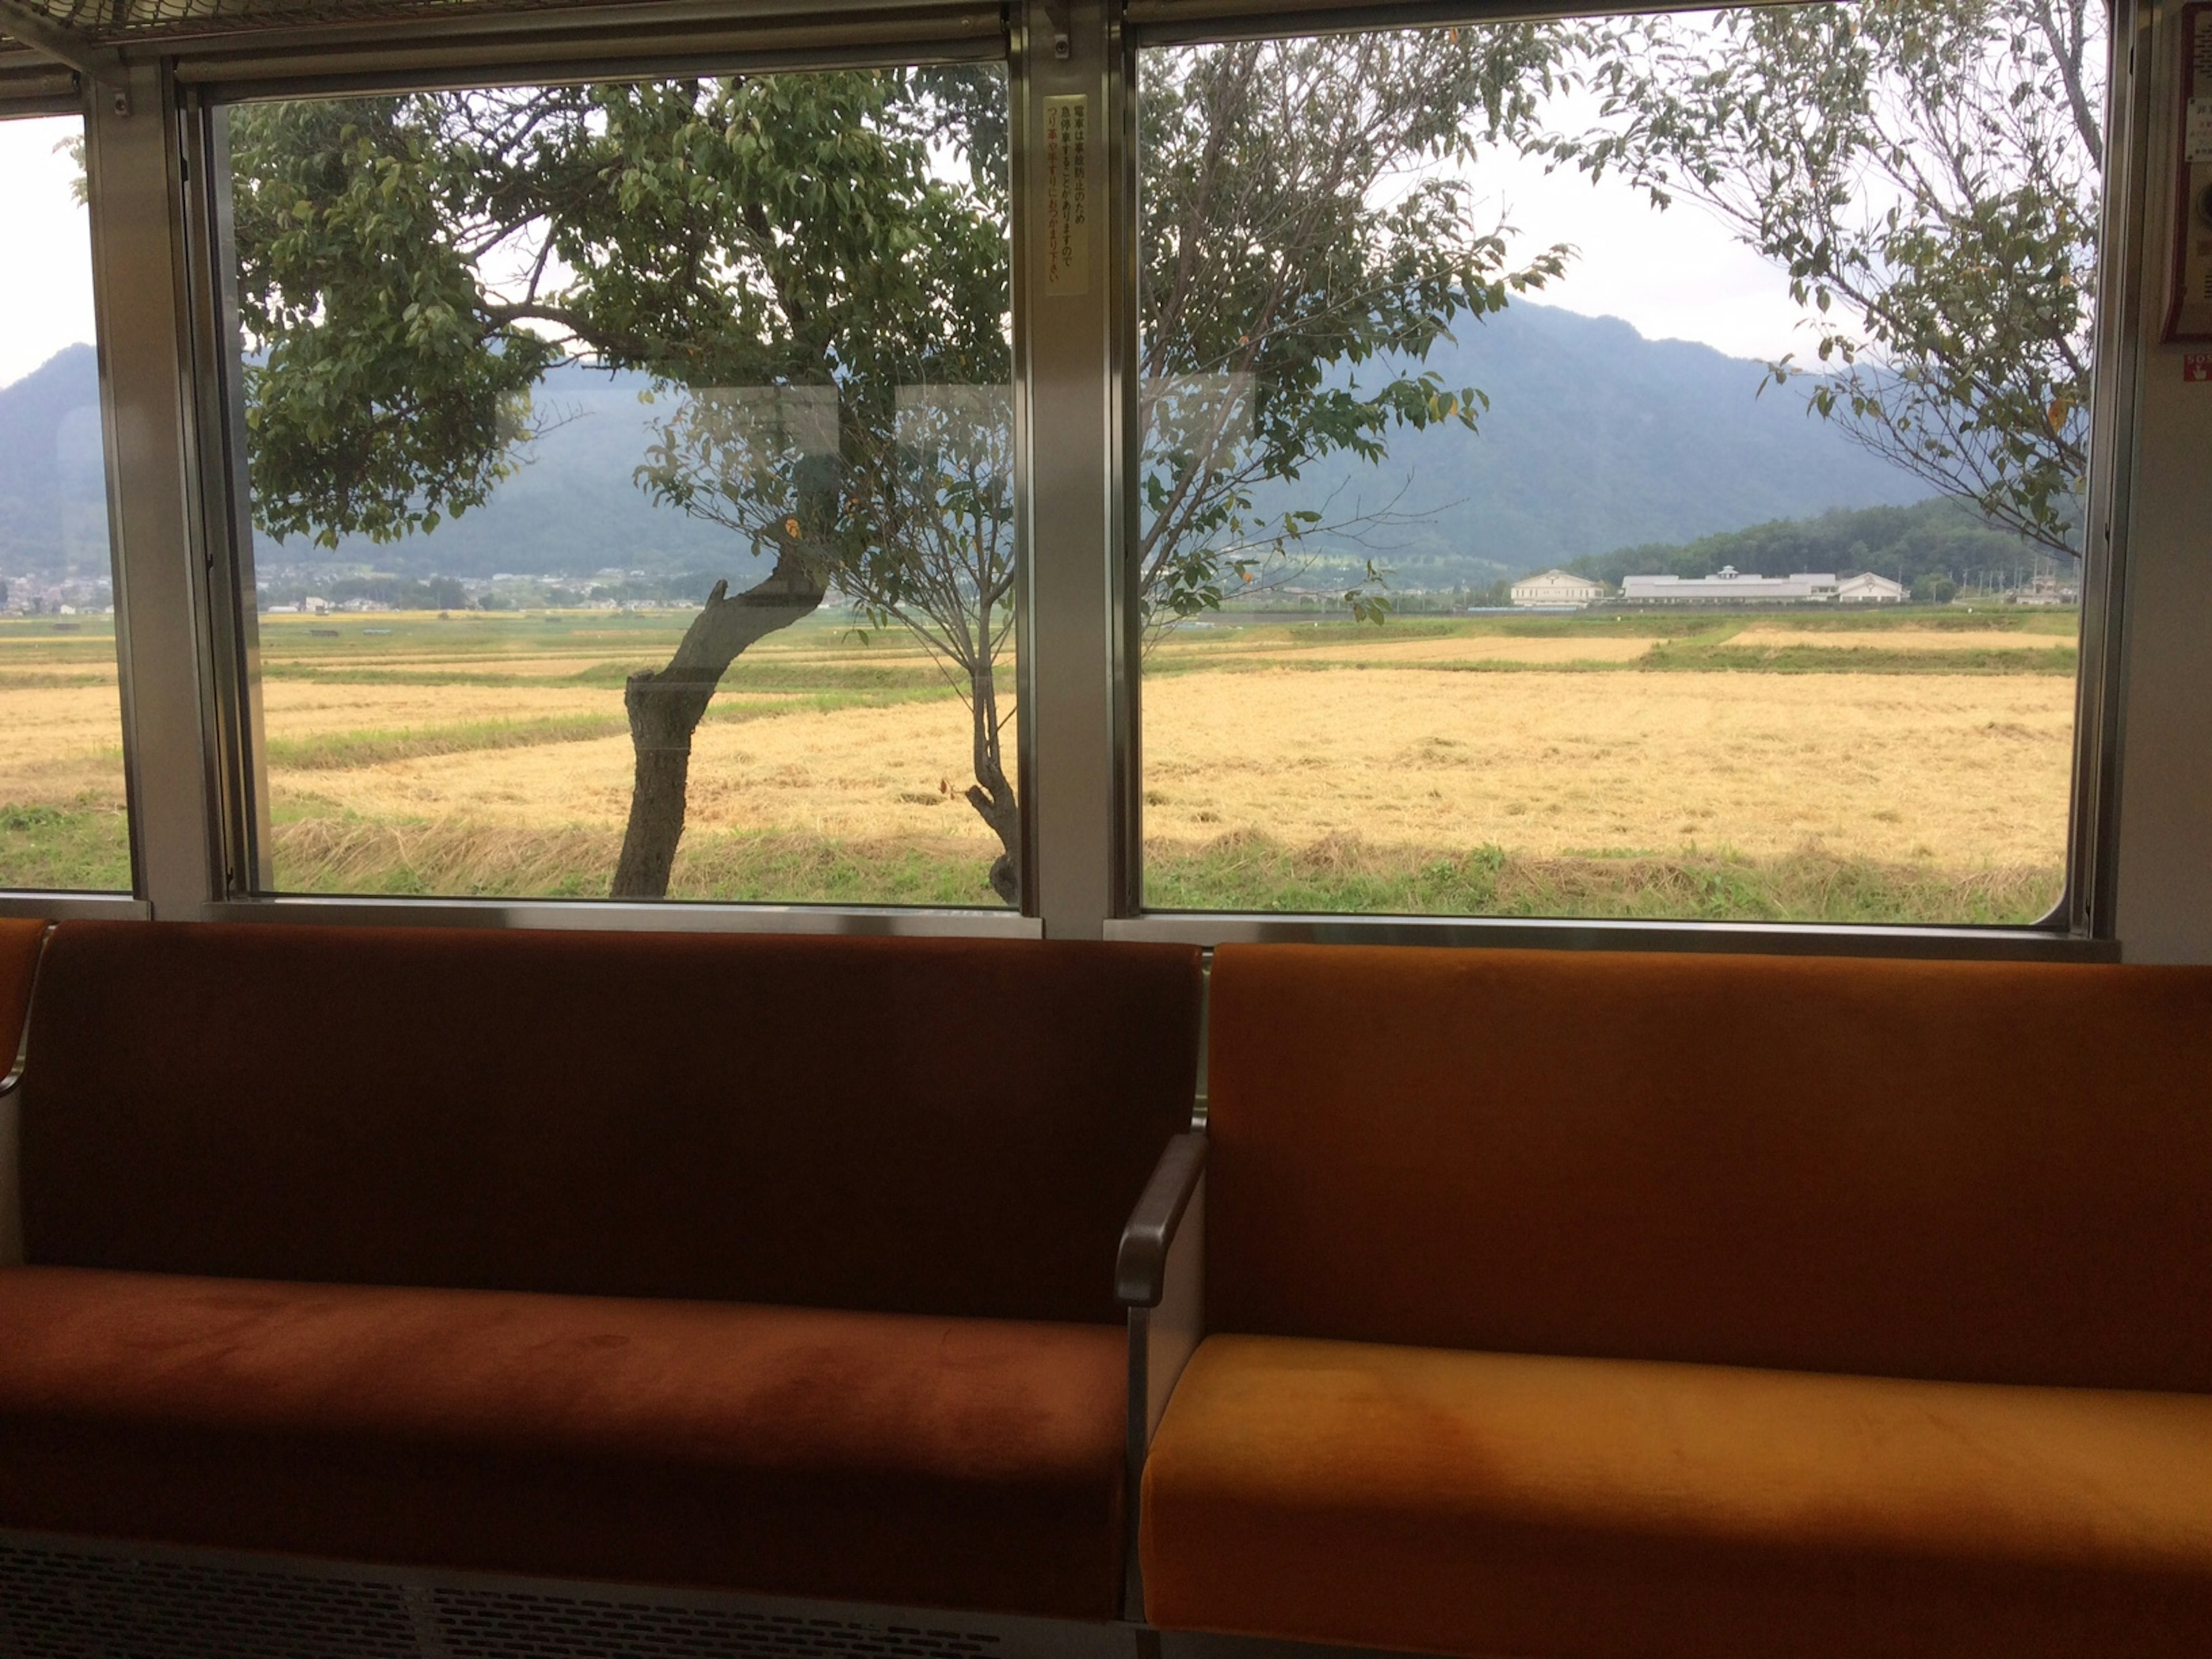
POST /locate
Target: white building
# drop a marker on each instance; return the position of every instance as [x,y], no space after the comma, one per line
[1867,588]
[1729,585]
[2044,590]
[1557,587]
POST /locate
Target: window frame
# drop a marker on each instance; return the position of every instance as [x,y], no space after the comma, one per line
[31,89]
[205,90]
[195,803]
[2079,924]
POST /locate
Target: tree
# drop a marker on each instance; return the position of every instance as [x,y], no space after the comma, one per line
[824,299]
[1929,174]
[776,237]
[1276,266]
[925,541]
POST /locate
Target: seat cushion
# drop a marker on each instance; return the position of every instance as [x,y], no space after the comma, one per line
[878,1457]
[1482,1504]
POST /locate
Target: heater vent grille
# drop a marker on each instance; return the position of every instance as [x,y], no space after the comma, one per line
[66,1604]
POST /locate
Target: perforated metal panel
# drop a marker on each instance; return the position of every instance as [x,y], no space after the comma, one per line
[58,1605]
[62,1601]
[491,1624]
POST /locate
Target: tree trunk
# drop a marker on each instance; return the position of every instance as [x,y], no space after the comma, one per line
[997,806]
[991,794]
[666,707]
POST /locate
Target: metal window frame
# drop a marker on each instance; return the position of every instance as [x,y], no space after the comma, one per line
[1206,22]
[189,722]
[33,91]
[229,629]
[2080,926]
[2092,906]
[373,66]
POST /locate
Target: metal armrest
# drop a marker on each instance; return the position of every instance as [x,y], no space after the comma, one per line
[1161,1275]
[11,1159]
[1140,1272]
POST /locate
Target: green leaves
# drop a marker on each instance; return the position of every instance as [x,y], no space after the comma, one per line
[1304,217]
[409,267]
[1928,174]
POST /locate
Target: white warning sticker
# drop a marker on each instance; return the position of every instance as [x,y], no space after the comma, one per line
[1067,194]
[2197,141]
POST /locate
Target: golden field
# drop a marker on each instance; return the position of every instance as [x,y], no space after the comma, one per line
[1597,765]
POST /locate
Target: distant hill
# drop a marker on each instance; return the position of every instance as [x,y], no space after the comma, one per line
[571,509]
[1596,440]
[53,491]
[1938,537]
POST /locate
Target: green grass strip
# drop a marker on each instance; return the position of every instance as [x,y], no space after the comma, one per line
[2055,658]
[334,751]
[83,846]
[1343,876]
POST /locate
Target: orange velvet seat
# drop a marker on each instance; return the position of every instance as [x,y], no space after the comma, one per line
[1428,1499]
[1605,1306]
[842,1456]
[718,1261]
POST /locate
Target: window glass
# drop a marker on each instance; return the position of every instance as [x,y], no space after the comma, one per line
[1627,467]
[62,820]
[632,489]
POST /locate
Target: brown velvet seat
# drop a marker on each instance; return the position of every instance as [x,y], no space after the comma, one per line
[885,1457]
[774,1264]
[19,955]
[1621,1307]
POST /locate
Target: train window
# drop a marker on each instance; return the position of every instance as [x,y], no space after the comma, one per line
[63,823]
[1629,467]
[632,488]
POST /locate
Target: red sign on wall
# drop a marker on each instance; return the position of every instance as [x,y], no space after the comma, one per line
[2197,366]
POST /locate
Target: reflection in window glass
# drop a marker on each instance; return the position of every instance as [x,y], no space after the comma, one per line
[62,820]
[632,484]
[1627,467]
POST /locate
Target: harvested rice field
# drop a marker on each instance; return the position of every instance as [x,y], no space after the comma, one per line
[1907,767]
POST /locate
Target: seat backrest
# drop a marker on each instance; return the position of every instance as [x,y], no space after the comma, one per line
[19,962]
[936,1126]
[1971,1171]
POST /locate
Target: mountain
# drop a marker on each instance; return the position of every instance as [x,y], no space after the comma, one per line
[1939,536]
[572,509]
[1596,438]
[54,494]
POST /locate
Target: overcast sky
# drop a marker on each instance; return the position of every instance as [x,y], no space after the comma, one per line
[1675,275]
[45,273]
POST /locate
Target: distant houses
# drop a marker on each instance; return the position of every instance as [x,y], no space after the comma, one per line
[1729,585]
[2044,590]
[1867,588]
[1558,590]
[1557,587]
